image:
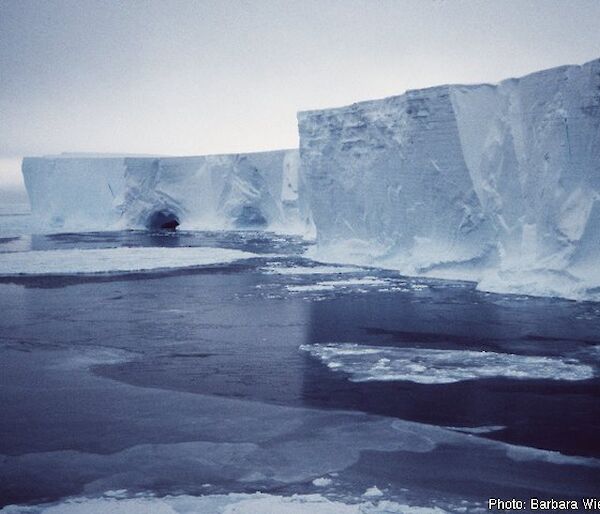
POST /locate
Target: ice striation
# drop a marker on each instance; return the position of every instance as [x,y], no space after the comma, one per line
[499,184]
[212,192]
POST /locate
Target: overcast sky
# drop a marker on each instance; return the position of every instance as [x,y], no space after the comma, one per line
[194,77]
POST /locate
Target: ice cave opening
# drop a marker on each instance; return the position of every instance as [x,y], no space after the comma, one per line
[162,220]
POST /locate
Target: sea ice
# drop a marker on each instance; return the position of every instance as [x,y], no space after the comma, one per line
[311,270]
[113,260]
[329,285]
[257,503]
[365,363]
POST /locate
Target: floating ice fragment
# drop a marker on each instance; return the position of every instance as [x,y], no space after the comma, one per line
[366,363]
[373,492]
[113,260]
[311,270]
[329,285]
[322,482]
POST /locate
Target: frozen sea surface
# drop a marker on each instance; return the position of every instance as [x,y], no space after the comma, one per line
[114,260]
[257,503]
[189,389]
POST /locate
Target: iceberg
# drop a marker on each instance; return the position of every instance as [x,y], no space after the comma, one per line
[498,184]
[89,192]
[494,183]
[74,191]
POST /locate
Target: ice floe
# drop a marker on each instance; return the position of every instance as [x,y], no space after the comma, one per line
[310,270]
[373,492]
[322,482]
[366,363]
[113,260]
[329,285]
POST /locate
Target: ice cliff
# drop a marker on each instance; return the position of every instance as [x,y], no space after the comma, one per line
[257,190]
[494,183]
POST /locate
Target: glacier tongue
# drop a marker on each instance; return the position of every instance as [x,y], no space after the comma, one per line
[493,183]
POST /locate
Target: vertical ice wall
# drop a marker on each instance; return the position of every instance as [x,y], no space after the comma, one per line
[493,182]
[532,146]
[258,190]
[391,174]
[74,191]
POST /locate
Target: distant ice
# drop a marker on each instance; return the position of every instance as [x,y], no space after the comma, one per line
[257,503]
[14,209]
[113,260]
[430,366]
[14,223]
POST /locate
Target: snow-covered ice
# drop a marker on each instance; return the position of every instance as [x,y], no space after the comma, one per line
[366,363]
[113,260]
